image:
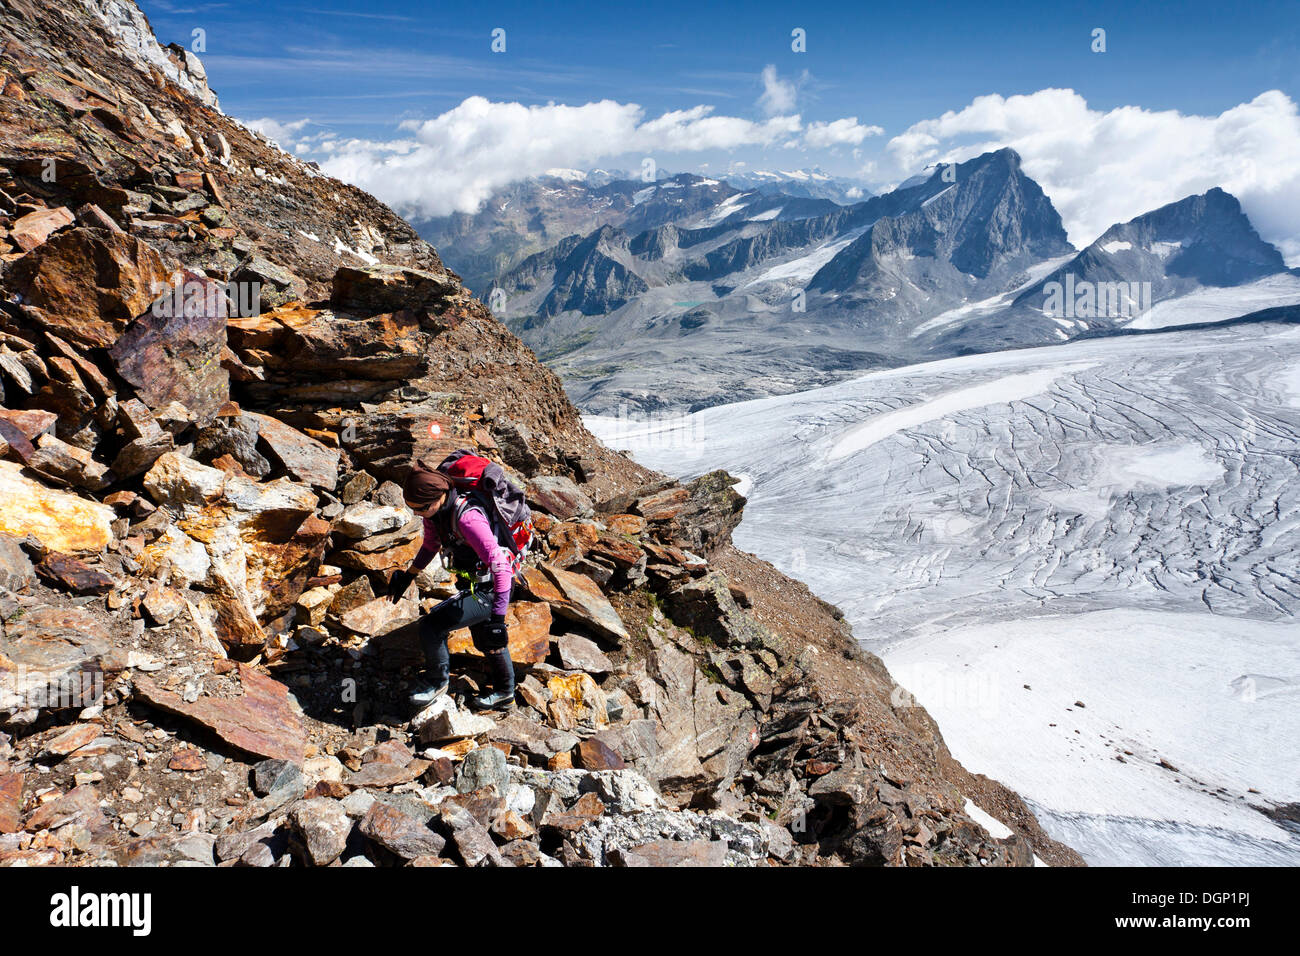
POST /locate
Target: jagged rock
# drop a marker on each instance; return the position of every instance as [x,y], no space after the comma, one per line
[54,654]
[663,505]
[577,703]
[172,352]
[569,543]
[31,230]
[382,773]
[409,532]
[558,496]
[581,601]
[138,455]
[594,754]
[444,720]
[350,596]
[532,737]
[626,523]
[262,721]
[87,284]
[846,787]
[469,836]
[633,740]
[177,480]
[517,446]
[177,559]
[11,802]
[400,834]
[16,571]
[357,487]
[79,805]
[709,515]
[672,853]
[607,837]
[301,455]
[236,845]
[379,616]
[275,285]
[236,436]
[67,463]
[168,849]
[399,556]
[482,768]
[63,570]
[323,826]
[580,654]
[274,774]
[381,288]
[30,423]
[512,826]
[262,538]
[365,519]
[707,605]
[313,605]
[73,738]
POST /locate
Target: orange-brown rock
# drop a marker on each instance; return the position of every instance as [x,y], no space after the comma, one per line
[529,626]
[61,521]
[172,351]
[31,230]
[187,759]
[261,721]
[88,285]
[581,600]
[11,802]
[576,702]
[626,523]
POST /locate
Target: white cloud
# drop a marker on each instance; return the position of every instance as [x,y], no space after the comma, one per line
[778,95]
[839,132]
[1102,167]
[456,161]
[285,135]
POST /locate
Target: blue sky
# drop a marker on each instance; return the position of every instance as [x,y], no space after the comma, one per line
[362,66]
[323,73]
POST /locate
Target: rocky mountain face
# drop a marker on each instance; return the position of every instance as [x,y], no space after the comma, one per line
[538,214]
[768,293]
[217,367]
[1200,242]
[816,288]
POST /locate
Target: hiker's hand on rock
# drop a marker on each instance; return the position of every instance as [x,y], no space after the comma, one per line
[398,583]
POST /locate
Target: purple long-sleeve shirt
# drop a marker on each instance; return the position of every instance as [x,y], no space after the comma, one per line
[477,532]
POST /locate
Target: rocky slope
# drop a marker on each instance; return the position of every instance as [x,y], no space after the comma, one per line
[217,366]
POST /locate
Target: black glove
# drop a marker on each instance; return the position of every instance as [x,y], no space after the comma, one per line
[494,634]
[398,583]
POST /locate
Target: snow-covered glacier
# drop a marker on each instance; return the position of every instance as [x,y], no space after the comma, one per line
[1083,560]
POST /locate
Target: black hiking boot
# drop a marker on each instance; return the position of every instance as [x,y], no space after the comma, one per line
[500,700]
[422,698]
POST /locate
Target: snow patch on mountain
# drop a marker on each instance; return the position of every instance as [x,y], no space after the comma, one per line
[1214,304]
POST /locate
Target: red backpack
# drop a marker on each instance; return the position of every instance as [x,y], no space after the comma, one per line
[484,483]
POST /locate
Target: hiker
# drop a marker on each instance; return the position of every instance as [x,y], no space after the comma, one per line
[459,524]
